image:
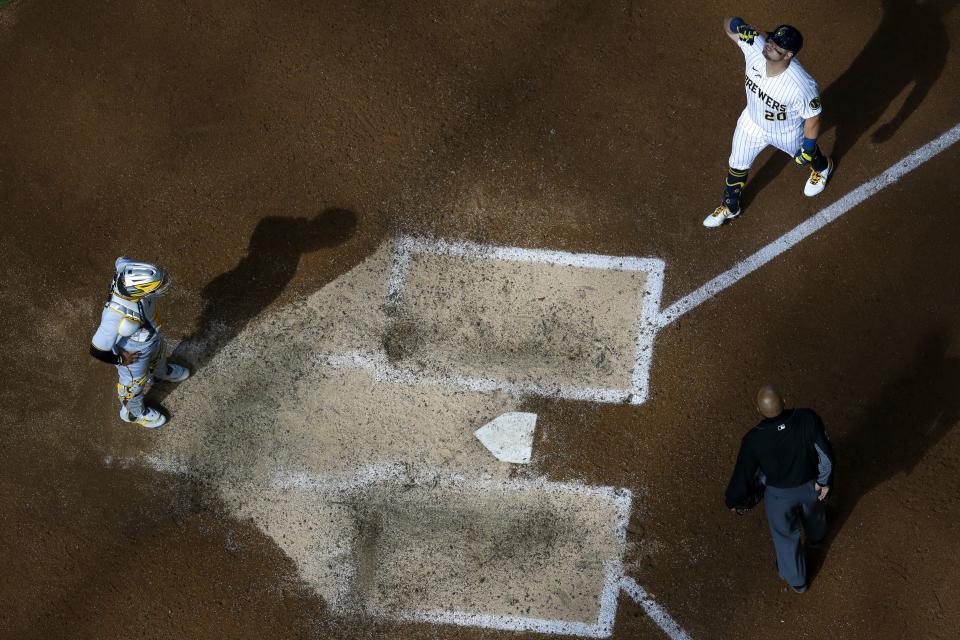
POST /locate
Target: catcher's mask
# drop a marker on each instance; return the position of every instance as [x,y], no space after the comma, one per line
[140,280]
[786,37]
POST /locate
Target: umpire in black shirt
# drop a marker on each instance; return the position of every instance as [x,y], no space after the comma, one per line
[789,452]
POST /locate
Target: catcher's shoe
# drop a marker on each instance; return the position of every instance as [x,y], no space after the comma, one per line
[151,418]
[817,181]
[174,373]
[720,215]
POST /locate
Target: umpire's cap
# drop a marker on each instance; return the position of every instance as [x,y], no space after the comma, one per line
[786,37]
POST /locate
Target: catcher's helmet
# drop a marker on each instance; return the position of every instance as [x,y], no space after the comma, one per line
[786,37]
[139,280]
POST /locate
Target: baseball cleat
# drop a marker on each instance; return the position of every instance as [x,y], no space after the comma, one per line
[720,215]
[175,373]
[817,181]
[151,418]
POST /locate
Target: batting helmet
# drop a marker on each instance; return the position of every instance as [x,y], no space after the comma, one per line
[139,280]
[786,37]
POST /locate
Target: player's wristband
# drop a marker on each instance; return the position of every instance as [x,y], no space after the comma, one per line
[105,356]
[808,144]
[735,23]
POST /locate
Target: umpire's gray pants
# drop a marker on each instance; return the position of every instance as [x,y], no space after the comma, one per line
[787,510]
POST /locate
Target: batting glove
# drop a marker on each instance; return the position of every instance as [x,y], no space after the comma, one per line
[745,32]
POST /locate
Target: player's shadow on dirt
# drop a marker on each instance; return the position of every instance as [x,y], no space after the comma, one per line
[912,414]
[910,46]
[234,298]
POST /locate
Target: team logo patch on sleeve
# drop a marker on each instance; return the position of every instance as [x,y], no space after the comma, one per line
[815,103]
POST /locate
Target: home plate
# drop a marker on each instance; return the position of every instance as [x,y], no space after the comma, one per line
[509,437]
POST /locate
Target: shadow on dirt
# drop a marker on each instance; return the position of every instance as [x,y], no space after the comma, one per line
[168,543]
[234,298]
[910,46]
[912,414]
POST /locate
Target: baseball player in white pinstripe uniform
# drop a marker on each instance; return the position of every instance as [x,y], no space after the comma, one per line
[783,110]
[129,337]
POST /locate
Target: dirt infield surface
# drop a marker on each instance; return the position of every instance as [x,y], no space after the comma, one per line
[552,161]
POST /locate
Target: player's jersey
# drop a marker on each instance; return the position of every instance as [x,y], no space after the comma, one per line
[122,326]
[780,103]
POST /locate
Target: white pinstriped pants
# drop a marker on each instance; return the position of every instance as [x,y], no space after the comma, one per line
[749,140]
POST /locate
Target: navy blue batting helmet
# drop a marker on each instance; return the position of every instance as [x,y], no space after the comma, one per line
[786,37]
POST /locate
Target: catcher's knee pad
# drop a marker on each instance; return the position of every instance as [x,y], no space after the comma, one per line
[136,389]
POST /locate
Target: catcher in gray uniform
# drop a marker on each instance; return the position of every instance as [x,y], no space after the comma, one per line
[129,337]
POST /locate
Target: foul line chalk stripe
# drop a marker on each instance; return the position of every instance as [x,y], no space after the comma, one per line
[809,227]
[657,613]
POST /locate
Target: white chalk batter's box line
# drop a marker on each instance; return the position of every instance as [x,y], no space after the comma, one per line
[613,566]
[406,247]
[385,371]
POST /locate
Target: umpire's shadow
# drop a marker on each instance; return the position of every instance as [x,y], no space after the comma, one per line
[912,414]
[234,298]
[909,46]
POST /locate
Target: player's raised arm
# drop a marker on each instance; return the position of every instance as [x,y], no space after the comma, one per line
[730,33]
[736,29]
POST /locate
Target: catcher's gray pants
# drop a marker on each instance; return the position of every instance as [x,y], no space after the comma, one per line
[135,379]
[787,510]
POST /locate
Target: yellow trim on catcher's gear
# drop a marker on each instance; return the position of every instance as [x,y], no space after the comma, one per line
[120,313]
[147,287]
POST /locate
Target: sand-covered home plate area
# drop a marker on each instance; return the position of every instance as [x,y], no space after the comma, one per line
[344,426]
